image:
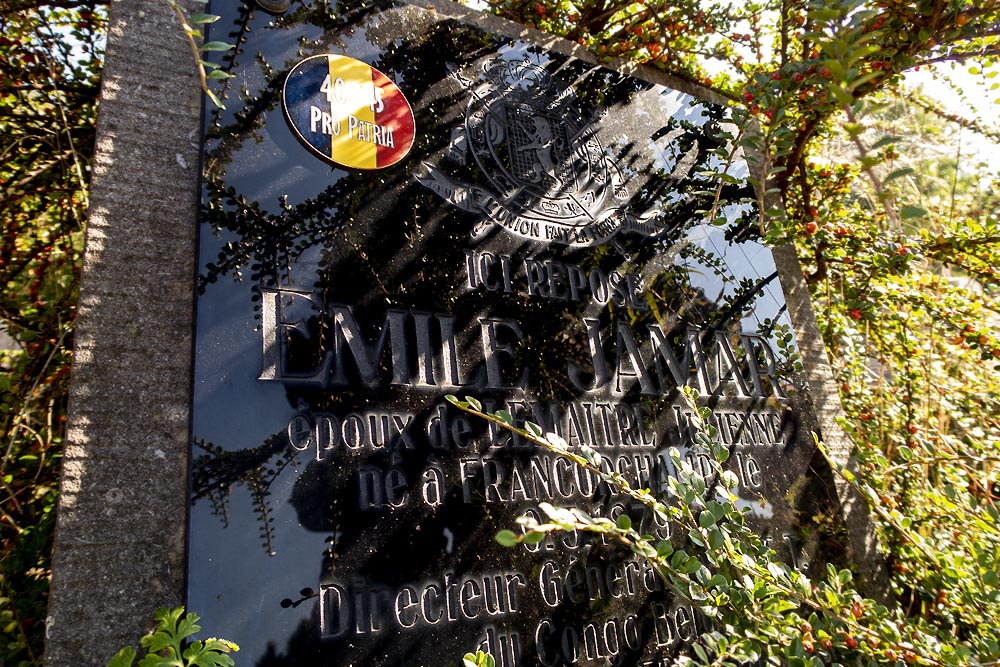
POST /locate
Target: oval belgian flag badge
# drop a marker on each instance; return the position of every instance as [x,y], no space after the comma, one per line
[347,112]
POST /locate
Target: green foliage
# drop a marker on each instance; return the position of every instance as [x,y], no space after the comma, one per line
[478,659]
[50,63]
[165,646]
[762,609]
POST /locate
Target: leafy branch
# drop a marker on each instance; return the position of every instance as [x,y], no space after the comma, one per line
[478,659]
[165,647]
[192,31]
[759,605]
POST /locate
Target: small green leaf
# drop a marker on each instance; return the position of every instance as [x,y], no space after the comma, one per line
[700,652]
[207,654]
[899,173]
[843,97]
[201,18]
[215,100]
[534,537]
[884,141]
[216,46]
[716,539]
[157,660]
[123,658]
[863,79]
[188,625]
[910,212]
[478,659]
[624,522]
[507,538]
[454,400]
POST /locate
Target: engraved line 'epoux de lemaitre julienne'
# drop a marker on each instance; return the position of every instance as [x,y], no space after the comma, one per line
[551,179]
[348,113]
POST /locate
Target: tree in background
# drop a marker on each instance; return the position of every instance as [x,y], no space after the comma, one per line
[901,254]
[50,64]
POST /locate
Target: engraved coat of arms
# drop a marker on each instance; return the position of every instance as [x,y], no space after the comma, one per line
[549,178]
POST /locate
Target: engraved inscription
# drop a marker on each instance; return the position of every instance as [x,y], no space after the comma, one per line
[549,255]
[359,608]
[422,352]
[552,279]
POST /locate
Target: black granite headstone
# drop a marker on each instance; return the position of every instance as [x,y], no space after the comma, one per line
[562,241]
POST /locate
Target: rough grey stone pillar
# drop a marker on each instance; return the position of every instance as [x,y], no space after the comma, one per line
[120,537]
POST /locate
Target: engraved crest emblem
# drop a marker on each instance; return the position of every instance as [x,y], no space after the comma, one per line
[549,178]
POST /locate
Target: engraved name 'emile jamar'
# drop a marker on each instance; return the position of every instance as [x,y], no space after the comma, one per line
[422,349]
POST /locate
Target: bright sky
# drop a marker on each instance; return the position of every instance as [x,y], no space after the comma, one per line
[980,103]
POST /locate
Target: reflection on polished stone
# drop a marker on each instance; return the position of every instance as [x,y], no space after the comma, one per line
[559,243]
[275,7]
